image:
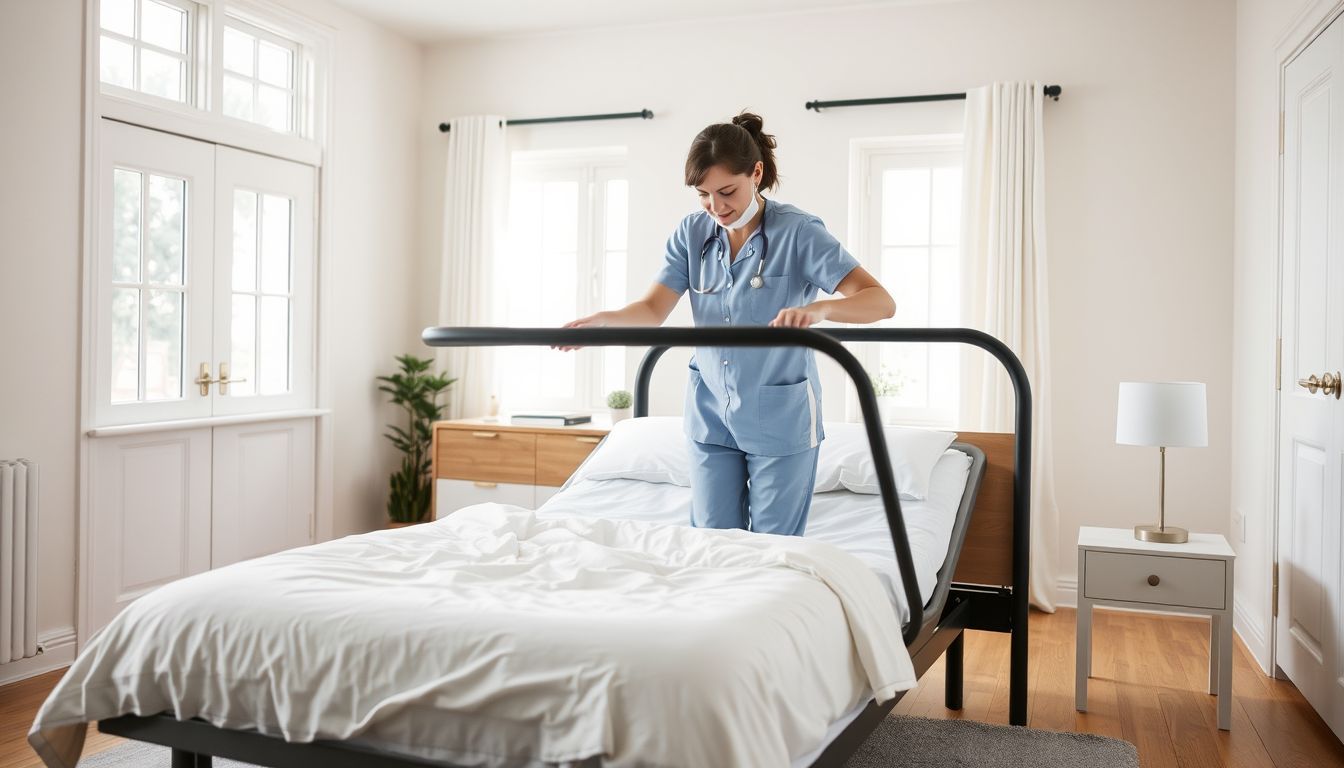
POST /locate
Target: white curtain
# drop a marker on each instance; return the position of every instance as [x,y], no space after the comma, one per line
[1003,241]
[475,195]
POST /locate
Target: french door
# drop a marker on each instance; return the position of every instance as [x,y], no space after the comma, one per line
[201,445]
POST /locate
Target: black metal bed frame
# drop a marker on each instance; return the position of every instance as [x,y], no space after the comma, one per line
[961,607]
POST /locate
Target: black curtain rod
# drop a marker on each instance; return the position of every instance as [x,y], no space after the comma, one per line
[643,114]
[1052,91]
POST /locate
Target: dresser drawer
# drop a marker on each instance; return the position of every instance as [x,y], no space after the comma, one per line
[559,455]
[1181,581]
[452,495]
[497,456]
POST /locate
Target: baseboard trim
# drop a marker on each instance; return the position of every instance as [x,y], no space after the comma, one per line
[1066,591]
[57,650]
[1252,634]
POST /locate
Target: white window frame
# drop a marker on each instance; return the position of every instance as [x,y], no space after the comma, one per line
[302,67]
[869,156]
[593,167]
[202,117]
[193,57]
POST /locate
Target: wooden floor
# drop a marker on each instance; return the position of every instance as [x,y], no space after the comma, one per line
[1147,687]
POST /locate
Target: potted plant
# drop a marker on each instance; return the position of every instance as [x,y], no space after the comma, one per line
[619,402]
[416,389]
[887,385]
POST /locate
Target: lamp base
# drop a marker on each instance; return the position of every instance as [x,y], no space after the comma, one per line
[1169,535]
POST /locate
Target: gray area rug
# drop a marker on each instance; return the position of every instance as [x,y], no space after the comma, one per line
[913,742]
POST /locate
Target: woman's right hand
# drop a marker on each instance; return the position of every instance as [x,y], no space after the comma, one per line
[595,320]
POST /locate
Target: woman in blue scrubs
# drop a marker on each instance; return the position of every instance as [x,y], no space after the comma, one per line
[753,414]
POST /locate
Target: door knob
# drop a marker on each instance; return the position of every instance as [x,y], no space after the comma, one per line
[1328,383]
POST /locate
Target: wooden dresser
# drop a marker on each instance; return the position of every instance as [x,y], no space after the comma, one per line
[475,461]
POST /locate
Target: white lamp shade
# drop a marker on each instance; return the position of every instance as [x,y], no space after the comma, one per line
[1163,413]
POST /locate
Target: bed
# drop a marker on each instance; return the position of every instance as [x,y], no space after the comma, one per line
[818,599]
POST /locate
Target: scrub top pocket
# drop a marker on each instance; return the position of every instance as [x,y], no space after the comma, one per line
[764,303]
[786,418]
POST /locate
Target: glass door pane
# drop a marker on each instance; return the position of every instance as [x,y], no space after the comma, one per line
[264,327]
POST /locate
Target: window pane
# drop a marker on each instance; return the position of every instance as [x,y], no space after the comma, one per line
[905,206]
[164,26]
[273,108]
[273,64]
[905,272]
[163,345]
[243,346]
[244,240]
[164,230]
[161,74]
[945,288]
[125,345]
[617,214]
[275,244]
[946,204]
[909,364]
[125,226]
[118,16]
[238,98]
[560,216]
[238,47]
[274,346]
[613,296]
[116,62]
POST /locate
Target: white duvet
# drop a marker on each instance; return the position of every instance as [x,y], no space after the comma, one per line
[494,638]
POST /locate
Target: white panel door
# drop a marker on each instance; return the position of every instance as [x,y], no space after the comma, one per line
[1309,647]
[263,489]
[151,517]
[153,274]
[264,308]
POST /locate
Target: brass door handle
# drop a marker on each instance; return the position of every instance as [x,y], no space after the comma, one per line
[204,381]
[224,380]
[1328,383]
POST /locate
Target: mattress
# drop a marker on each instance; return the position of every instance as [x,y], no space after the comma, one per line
[854,522]
[499,637]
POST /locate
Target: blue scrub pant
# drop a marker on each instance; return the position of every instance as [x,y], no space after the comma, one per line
[734,489]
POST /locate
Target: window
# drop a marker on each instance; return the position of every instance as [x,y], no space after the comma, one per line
[145,46]
[908,236]
[565,258]
[259,84]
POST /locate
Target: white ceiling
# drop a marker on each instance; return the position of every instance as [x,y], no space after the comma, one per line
[436,20]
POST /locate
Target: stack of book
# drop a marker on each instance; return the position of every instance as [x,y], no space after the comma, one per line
[549,418]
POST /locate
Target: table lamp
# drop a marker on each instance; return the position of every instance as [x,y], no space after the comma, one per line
[1167,414]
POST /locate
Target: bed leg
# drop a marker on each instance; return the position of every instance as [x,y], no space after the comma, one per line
[185,759]
[952,681]
[1017,675]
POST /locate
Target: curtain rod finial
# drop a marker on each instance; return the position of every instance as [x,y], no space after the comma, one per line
[1053,91]
[444,127]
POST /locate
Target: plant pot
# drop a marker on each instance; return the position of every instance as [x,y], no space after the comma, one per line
[886,406]
[619,413]
[394,524]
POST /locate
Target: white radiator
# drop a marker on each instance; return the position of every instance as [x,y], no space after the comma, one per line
[18,560]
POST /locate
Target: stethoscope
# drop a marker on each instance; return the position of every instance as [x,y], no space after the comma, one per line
[756,280]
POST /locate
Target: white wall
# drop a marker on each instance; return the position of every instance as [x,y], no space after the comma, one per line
[376,109]
[1261,25]
[1138,175]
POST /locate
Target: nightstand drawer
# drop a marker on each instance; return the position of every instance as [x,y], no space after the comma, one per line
[559,455]
[452,495]
[498,456]
[1181,581]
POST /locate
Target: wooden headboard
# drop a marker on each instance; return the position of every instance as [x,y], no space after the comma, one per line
[987,555]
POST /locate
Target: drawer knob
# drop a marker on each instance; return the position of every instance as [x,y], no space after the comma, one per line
[486,435]
[1153,581]
[593,440]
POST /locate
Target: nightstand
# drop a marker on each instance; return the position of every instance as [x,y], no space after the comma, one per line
[1114,568]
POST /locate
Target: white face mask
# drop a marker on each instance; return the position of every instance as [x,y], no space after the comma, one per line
[747,215]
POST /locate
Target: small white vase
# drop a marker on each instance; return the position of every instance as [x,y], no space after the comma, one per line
[886,406]
[619,413]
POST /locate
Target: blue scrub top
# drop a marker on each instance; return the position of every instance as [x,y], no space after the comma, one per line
[761,400]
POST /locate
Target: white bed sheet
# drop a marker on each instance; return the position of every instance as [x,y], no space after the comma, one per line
[493,637]
[854,522]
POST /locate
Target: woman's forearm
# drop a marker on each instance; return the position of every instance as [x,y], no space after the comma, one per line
[866,306]
[636,313]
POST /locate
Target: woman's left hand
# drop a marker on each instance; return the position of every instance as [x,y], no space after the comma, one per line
[798,317]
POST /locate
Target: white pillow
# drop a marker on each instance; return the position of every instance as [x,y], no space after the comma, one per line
[847,462]
[652,449]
